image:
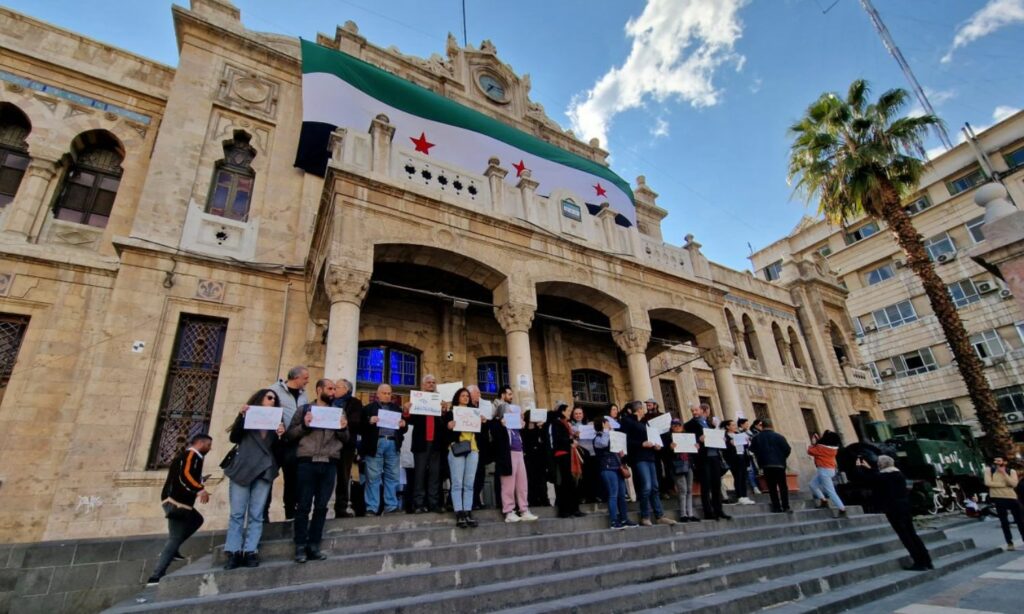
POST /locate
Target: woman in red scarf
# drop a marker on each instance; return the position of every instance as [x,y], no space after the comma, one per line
[568,463]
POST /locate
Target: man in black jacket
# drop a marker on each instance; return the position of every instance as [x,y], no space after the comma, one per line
[428,448]
[890,494]
[771,451]
[708,468]
[352,407]
[380,447]
[184,484]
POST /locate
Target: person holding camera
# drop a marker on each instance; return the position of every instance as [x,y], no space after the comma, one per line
[1001,482]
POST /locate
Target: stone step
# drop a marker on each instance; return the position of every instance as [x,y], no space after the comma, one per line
[832,599]
[644,542]
[388,538]
[549,575]
[857,560]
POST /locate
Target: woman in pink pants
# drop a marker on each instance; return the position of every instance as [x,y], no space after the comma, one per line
[507,445]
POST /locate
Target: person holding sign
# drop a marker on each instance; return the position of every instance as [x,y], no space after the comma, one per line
[682,469]
[585,433]
[737,457]
[568,463]
[613,472]
[318,432]
[427,448]
[642,451]
[509,462]
[463,456]
[379,446]
[537,451]
[708,467]
[250,476]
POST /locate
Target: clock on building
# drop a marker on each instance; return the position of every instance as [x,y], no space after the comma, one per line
[493,87]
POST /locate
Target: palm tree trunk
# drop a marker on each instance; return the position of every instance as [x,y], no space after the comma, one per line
[991,419]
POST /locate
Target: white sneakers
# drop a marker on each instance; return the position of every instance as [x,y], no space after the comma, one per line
[527,517]
[512,517]
[746,501]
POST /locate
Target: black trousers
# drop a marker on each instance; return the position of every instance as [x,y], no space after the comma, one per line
[709,474]
[290,495]
[537,480]
[1005,508]
[903,523]
[777,489]
[739,476]
[567,495]
[341,490]
[181,525]
[315,485]
[478,484]
[426,490]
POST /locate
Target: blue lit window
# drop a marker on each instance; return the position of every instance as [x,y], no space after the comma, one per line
[370,369]
[381,364]
[491,374]
[403,368]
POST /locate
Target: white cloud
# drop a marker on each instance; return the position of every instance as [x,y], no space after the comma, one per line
[1003,112]
[677,47]
[993,16]
[660,128]
[936,97]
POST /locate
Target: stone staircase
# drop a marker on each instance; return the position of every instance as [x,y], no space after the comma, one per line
[808,560]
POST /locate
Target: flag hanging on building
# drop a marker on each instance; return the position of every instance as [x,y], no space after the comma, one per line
[339,90]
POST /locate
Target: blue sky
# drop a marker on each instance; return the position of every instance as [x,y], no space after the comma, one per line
[694,94]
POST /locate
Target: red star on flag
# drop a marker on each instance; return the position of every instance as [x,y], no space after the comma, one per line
[519,168]
[600,190]
[422,144]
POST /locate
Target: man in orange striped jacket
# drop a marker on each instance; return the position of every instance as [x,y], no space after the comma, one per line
[183,486]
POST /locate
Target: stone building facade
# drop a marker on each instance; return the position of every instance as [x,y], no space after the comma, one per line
[161,259]
[899,338]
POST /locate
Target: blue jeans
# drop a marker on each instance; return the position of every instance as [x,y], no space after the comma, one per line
[246,501]
[822,486]
[383,465]
[463,470]
[647,473]
[615,488]
[752,476]
[315,486]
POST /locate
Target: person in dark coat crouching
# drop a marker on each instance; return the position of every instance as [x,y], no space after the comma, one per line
[890,493]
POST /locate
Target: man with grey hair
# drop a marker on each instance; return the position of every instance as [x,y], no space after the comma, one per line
[352,408]
[427,450]
[890,495]
[291,392]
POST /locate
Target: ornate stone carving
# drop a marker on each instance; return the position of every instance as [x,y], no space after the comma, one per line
[345,284]
[243,89]
[720,357]
[6,281]
[515,316]
[632,340]
[210,290]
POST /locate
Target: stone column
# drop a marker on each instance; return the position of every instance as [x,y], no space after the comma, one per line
[381,135]
[346,289]
[633,342]
[30,197]
[527,188]
[496,180]
[516,319]
[720,360]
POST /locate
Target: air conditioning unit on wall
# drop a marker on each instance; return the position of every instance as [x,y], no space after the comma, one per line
[888,372]
[1014,416]
[984,287]
[946,257]
[899,264]
[1005,293]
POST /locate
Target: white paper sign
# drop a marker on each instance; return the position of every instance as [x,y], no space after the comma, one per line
[425,403]
[663,423]
[587,432]
[714,438]
[612,422]
[513,417]
[466,420]
[387,419]
[524,381]
[685,442]
[617,442]
[486,409]
[654,436]
[259,418]
[325,417]
[538,415]
[741,441]
[447,391]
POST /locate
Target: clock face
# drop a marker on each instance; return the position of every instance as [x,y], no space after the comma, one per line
[493,88]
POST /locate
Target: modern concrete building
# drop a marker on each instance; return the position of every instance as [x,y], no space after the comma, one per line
[899,338]
[161,258]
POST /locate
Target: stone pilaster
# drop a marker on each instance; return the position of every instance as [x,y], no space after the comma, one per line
[633,342]
[346,288]
[381,135]
[496,180]
[31,196]
[720,360]
[516,319]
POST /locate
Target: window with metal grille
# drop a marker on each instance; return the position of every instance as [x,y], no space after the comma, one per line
[14,159]
[233,178]
[761,411]
[590,386]
[12,333]
[190,387]
[381,364]
[491,374]
[670,396]
[90,185]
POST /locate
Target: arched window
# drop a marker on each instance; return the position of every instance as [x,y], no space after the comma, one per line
[734,330]
[14,159]
[590,386]
[383,364]
[92,179]
[491,374]
[233,178]
[780,342]
[838,343]
[794,348]
[750,338]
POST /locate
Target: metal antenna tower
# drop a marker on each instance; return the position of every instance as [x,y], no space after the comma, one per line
[894,51]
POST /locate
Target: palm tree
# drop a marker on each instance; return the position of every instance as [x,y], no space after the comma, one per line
[861,157]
